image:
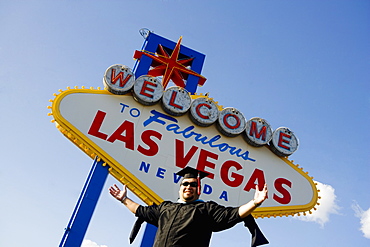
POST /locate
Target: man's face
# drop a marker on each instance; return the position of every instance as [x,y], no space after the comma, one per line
[189,193]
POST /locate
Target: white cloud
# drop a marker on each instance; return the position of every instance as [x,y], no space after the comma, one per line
[364,219]
[89,243]
[328,205]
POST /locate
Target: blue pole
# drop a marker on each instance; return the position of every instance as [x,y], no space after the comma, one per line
[85,206]
[149,236]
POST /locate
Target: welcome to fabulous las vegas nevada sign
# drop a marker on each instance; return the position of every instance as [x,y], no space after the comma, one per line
[146,132]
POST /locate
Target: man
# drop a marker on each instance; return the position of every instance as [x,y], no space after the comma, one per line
[190,221]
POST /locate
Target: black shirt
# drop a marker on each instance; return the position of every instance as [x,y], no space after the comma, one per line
[188,224]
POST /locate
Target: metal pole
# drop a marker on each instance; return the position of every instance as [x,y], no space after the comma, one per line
[85,206]
[149,236]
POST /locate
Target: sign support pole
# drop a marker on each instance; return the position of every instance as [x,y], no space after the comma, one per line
[149,236]
[85,206]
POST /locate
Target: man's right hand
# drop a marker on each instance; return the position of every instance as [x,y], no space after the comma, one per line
[117,193]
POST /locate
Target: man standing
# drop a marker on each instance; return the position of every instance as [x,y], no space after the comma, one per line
[189,222]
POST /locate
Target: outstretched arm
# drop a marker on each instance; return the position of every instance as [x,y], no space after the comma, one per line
[121,195]
[259,197]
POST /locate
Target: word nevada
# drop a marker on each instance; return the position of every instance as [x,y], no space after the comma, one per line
[203,111]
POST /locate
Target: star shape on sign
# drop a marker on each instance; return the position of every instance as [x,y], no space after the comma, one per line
[170,66]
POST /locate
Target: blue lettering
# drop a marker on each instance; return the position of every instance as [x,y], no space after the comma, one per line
[123,107]
[224,195]
[137,112]
[176,178]
[233,152]
[199,137]
[144,167]
[188,133]
[160,172]
[212,140]
[223,147]
[207,189]
[245,156]
[156,116]
[174,128]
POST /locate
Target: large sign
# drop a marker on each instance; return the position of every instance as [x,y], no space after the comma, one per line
[147,133]
[145,147]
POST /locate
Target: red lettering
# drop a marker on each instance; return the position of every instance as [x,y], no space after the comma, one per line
[172,101]
[237,178]
[227,123]
[286,197]
[257,175]
[197,109]
[119,77]
[181,160]
[153,147]
[254,132]
[96,124]
[146,89]
[282,140]
[203,162]
[128,139]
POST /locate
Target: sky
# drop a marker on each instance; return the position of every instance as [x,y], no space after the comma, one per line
[300,64]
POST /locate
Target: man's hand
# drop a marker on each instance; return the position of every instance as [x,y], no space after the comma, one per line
[117,193]
[121,195]
[260,195]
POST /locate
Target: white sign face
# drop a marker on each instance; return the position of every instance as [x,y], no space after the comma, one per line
[146,147]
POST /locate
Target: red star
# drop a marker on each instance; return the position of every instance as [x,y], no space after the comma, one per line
[170,67]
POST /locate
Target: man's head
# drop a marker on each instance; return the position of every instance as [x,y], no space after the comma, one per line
[190,185]
[189,190]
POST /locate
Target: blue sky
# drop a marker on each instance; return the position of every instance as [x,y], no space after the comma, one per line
[300,64]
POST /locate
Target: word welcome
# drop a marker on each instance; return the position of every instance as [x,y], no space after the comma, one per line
[176,101]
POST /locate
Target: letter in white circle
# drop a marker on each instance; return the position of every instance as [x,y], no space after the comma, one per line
[176,101]
[204,111]
[231,122]
[283,142]
[148,90]
[118,79]
[258,132]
